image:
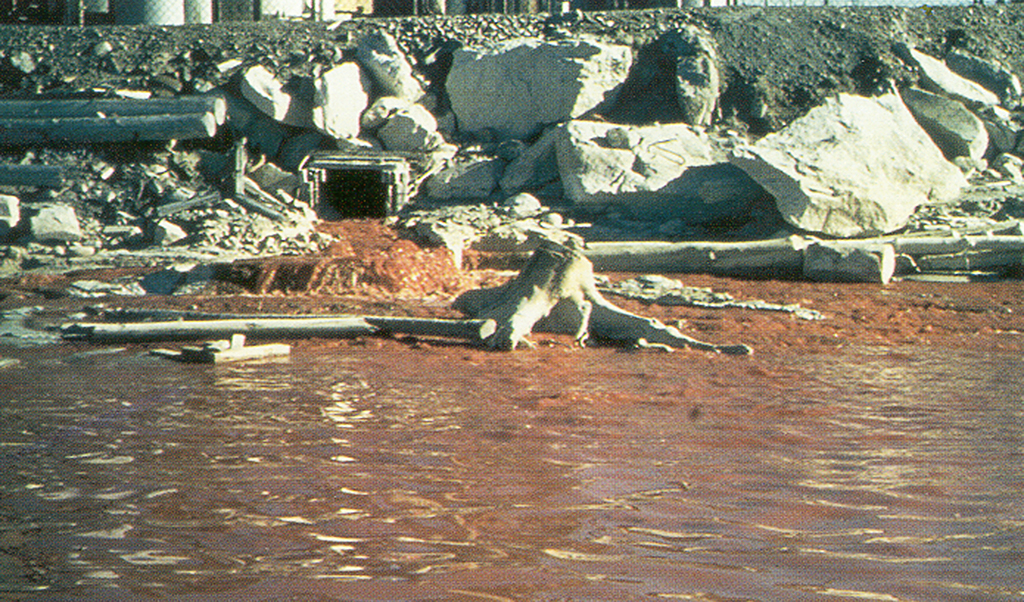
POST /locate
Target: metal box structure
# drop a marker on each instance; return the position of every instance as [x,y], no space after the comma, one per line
[354,185]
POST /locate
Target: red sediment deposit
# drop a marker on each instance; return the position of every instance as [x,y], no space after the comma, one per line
[371,269]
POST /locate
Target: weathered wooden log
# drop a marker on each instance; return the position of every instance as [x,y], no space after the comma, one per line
[556,292]
[476,330]
[114,107]
[41,176]
[786,257]
[966,261]
[144,332]
[85,130]
[779,258]
[279,327]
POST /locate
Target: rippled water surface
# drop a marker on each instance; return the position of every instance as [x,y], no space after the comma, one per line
[426,474]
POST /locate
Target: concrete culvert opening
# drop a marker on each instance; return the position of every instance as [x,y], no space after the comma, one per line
[349,186]
[355,193]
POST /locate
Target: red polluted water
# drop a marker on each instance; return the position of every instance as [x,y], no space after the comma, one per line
[383,470]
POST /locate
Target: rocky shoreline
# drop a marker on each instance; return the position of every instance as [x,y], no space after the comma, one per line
[732,124]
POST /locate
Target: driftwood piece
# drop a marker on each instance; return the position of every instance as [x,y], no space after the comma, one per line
[779,257]
[42,176]
[277,327]
[556,292]
[114,107]
[86,130]
[788,257]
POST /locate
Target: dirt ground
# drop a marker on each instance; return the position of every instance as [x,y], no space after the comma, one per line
[377,272]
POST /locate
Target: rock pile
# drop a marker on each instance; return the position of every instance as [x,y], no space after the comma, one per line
[655,121]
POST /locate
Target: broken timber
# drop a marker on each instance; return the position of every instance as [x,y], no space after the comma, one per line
[789,257]
[233,350]
[110,120]
[278,327]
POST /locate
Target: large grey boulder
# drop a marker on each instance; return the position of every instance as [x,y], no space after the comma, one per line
[1003,131]
[262,88]
[410,129]
[468,180]
[852,167]
[534,167]
[955,130]
[939,78]
[379,53]
[56,223]
[697,76]
[516,87]
[664,171]
[991,75]
[342,94]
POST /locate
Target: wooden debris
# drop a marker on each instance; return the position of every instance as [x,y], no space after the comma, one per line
[279,327]
[113,107]
[233,350]
[110,120]
[86,130]
[860,260]
[556,292]
[42,176]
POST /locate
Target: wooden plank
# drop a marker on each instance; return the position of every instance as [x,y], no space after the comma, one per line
[114,107]
[85,130]
[474,330]
[43,176]
[142,332]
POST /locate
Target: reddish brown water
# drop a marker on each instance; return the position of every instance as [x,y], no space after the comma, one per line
[385,471]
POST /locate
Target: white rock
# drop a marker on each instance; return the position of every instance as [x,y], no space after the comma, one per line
[522,205]
[342,94]
[56,223]
[410,129]
[380,55]
[1009,166]
[852,167]
[10,212]
[941,79]
[378,113]
[358,144]
[166,233]
[262,88]
[954,129]
[516,87]
[474,180]
[989,74]
[671,171]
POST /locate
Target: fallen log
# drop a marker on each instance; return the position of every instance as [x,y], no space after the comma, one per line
[781,258]
[556,292]
[788,257]
[277,327]
[40,176]
[84,130]
[144,332]
[114,107]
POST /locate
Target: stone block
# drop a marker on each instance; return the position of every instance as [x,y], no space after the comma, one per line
[341,96]
[852,167]
[956,130]
[653,172]
[517,87]
[56,223]
[939,78]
